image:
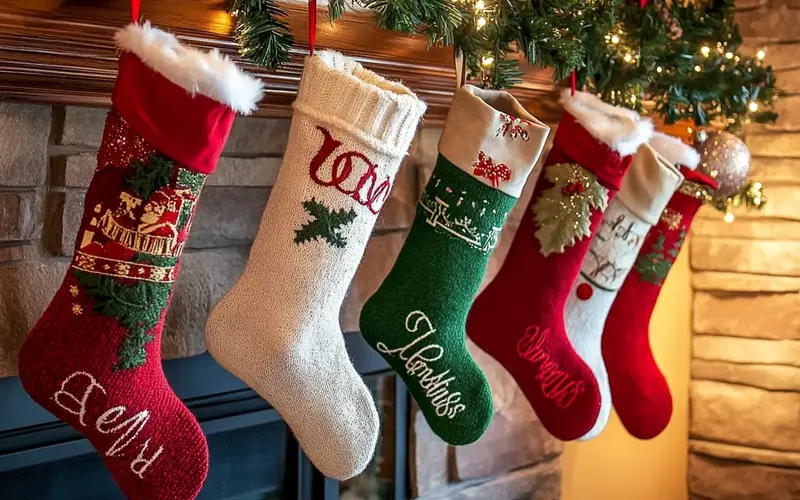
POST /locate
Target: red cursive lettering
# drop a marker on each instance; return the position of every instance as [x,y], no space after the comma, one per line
[555,382]
[365,191]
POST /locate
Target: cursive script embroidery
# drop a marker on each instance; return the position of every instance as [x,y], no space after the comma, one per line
[417,355]
[75,403]
[366,191]
[613,250]
[556,383]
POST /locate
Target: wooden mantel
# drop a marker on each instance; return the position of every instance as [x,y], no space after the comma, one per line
[62,52]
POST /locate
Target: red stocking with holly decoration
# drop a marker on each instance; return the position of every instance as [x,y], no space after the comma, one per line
[93,359]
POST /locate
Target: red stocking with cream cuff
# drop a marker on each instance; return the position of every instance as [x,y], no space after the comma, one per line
[590,154]
[639,391]
[93,359]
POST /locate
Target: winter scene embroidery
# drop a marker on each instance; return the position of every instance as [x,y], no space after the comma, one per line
[351,173]
[73,397]
[613,249]
[454,214]
[419,355]
[556,384]
[513,128]
[494,173]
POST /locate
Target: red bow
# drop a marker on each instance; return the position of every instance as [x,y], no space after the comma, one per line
[485,167]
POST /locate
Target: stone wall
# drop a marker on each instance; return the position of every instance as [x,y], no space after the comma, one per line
[46,163]
[745,392]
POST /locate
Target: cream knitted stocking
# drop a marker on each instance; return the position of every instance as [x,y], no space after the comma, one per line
[278,328]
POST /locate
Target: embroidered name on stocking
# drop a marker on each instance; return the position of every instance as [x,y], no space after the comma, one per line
[81,387]
[556,383]
[418,355]
[362,185]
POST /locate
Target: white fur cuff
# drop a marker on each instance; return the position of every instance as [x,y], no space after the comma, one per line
[675,150]
[622,130]
[207,73]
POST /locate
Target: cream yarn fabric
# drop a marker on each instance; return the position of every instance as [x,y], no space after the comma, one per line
[644,193]
[278,328]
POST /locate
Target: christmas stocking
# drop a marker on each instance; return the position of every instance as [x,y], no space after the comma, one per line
[519,318]
[638,389]
[350,130]
[645,191]
[93,359]
[416,319]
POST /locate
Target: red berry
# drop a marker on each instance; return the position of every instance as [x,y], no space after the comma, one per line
[584,291]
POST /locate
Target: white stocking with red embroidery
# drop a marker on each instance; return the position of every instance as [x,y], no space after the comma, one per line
[278,328]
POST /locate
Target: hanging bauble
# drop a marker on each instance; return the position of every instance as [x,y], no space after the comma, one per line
[725,158]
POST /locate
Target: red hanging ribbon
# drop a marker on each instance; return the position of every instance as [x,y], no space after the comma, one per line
[312,25]
[573,81]
[135,10]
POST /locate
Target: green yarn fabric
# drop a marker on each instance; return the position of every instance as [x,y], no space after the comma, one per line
[416,319]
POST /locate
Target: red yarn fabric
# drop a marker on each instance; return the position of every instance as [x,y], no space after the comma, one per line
[93,359]
[519,318]
[639,390]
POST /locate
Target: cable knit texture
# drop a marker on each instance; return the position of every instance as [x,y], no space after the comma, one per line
[278,328]
[416,319]
[646,188]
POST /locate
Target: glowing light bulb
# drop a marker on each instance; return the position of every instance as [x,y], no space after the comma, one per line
[487,61]
[757,201]
[633,99]
[705,51]
[761,54]
[689,130]
[728,55]
[481,22]
[752,106]
[659,69]
[628,58]
[614,39]
[698,69]
[756,185]
[728,217]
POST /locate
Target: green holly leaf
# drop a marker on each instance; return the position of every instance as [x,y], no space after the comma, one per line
[563,212]
[137,307]
[326,224]
[149,177]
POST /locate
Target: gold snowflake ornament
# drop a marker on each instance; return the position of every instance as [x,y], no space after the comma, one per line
[671,218]
[77,310]
[73,290]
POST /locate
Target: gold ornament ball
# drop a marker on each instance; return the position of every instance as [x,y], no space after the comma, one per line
[725,158]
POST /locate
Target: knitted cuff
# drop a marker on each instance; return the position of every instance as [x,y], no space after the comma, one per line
[489,135]
[649,184]
[337,91]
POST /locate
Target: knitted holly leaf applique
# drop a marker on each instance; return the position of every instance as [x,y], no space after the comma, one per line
[137,308]
[327,224]
[149,177]
[563,212]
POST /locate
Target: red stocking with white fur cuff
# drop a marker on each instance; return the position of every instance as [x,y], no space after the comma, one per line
[93,359]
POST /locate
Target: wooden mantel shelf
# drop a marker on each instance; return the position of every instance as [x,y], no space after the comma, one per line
[62,52]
